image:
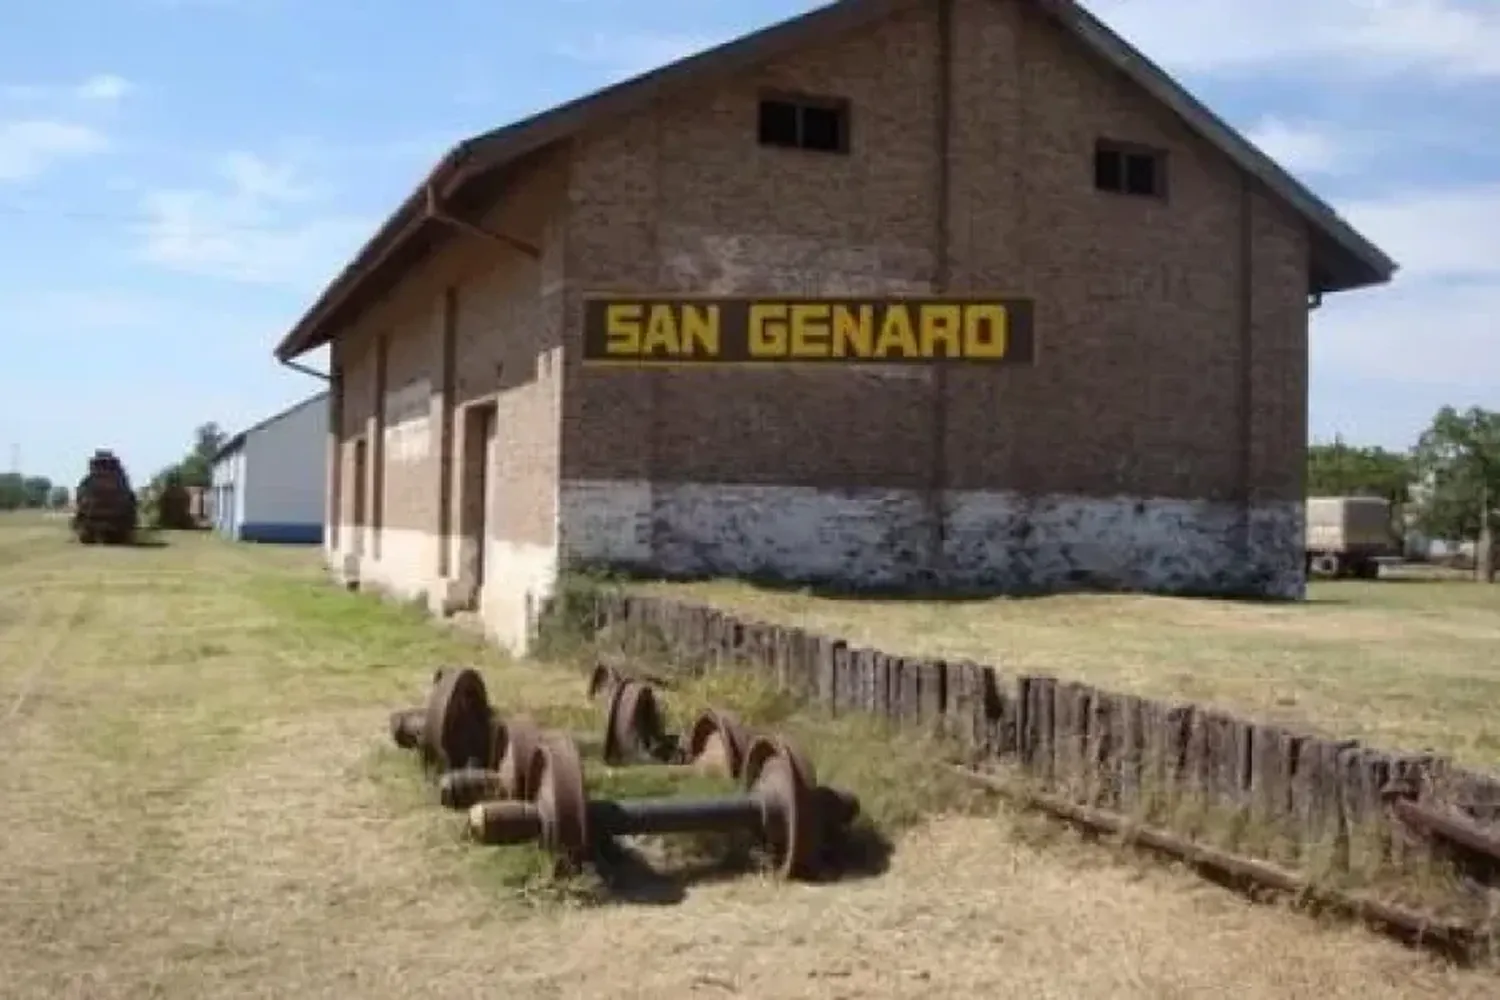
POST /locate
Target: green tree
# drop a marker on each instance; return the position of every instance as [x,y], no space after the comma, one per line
[1340,469]
[1458,458]
[37,489]
[197,468]
[59,497]
[12,491]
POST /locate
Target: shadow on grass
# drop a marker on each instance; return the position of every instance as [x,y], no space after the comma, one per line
[140,540]
[628,876]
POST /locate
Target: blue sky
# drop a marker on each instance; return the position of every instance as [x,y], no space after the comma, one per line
[179,178]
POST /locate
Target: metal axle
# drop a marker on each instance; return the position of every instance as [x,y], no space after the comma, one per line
[783,805]
[501,822]
[463,788]
[522,822]
[655,816]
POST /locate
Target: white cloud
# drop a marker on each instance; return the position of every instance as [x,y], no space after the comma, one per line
[1300,148]
[29,148]
[101,88]
[1447,38]
[260,225]
[255,179]
[30,145]
[1436,328]
[1449,233]
[1415,331]
[628,54]
[1439,321]
[105,88]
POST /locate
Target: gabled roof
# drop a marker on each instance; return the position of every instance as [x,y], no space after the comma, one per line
[237,442]
[1341,258]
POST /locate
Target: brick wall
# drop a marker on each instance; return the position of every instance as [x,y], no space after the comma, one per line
[500,312]
[1156,444]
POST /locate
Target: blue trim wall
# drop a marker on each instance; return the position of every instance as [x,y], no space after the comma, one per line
[280,533]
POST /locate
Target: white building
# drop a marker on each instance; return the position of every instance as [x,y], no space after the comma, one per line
[269,481]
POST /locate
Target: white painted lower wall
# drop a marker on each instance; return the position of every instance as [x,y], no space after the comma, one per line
[878,538]
[870,538]
[518,577]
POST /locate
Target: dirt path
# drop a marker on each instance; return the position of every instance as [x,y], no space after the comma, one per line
[189,813]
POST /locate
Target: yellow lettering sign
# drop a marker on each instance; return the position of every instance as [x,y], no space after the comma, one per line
[700,329]
[810,330]
[940,333]
[661,330]
[749,331]
[622,325]
[986,331]
[853,332]
[897,338]
[767,333]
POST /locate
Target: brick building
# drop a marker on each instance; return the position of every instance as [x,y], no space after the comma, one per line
[898,147]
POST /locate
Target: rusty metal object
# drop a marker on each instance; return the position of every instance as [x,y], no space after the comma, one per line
[717,743]
[606,676]
[634,731]
[505,776]
[407,725]
[633,727]
[784,782]
[555,783]
[603,680]
[105,508]
[458,724]
[780,805]
[513,757]
[463,788]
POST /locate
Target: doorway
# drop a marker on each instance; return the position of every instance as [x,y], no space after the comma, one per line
[361,492]
[476,492]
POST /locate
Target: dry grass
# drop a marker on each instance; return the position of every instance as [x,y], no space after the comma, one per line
[1403,662]
[196,805]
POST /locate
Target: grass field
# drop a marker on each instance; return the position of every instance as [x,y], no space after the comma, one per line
[197,802]
[1411,661]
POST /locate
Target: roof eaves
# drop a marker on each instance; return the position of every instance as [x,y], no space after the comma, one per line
[505,144]
[228,448]
[1378,267]
[238,441]
[496,148]
[401,225]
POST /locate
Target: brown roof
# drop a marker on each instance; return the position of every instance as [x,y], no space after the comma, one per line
[1342,258]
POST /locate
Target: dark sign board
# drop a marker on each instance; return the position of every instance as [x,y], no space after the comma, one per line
[661,330]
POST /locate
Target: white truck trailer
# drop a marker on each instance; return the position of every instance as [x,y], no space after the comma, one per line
[1346,535]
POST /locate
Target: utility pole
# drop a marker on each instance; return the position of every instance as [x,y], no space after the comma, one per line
[15,458]
[1484,549]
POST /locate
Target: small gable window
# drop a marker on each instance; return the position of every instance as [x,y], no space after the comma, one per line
[819,124]
[1122,168]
